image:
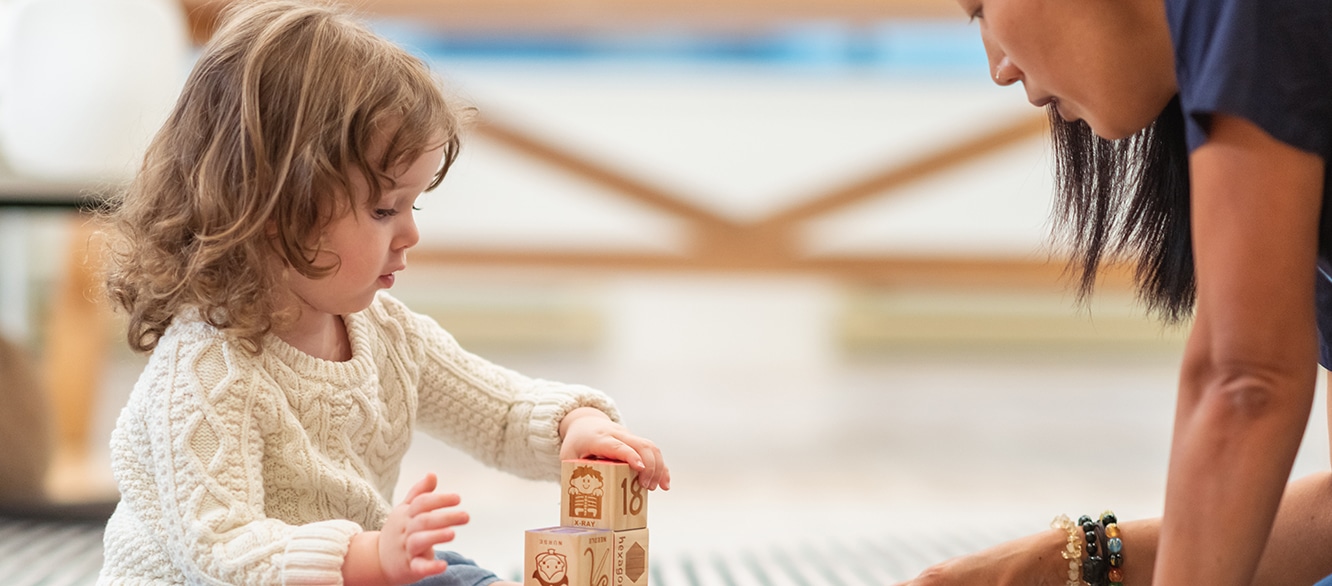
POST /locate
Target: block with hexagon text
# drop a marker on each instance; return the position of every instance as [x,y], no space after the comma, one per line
[630,551]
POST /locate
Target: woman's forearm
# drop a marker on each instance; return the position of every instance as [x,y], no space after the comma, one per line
[1234,445]
[1294,556]
[1296,552]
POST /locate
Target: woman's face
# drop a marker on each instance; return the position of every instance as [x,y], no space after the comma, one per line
[1107,62]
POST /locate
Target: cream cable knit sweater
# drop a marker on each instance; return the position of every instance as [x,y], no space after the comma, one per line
[242,469]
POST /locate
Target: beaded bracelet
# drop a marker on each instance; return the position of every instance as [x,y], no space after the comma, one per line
[1114,548]
[1072,550]
[1094,567]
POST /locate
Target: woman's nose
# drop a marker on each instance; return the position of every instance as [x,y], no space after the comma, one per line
[1004,72]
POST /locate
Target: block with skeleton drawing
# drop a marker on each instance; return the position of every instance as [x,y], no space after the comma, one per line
[601,494]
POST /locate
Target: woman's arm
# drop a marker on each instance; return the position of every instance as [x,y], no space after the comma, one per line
[1247,380]
[1303,528]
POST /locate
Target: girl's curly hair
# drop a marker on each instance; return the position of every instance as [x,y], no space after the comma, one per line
[283,104]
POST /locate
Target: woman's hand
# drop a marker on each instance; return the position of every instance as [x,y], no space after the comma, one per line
[423,519]
[1028,561]
[587,432]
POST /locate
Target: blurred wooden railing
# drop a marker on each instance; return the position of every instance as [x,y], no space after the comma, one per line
[773,243]
[555,15]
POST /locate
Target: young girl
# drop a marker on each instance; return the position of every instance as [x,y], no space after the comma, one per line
[262,442]
[1219,115]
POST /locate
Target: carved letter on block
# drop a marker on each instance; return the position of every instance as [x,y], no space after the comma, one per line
[567,556]
[602,494]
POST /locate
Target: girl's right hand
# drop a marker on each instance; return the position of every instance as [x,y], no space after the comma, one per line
[423,519]
[1028,561]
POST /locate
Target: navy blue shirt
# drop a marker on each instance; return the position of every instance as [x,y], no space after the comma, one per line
[1269,62]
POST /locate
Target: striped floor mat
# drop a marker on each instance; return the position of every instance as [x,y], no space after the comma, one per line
[41,553]
[853,562]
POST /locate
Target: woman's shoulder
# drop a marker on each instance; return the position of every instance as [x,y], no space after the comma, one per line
[1269,61]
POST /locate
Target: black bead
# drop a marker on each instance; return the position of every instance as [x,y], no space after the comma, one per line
[1108,518]
[1092,548]
[1116,560]
[1094,569]
[1084,520]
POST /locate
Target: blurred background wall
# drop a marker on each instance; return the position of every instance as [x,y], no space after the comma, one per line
[804,244]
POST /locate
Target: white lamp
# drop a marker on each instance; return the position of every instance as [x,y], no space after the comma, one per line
[85,83]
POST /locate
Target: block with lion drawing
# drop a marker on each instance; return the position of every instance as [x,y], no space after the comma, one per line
[568,556]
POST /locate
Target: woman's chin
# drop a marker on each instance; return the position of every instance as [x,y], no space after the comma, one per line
[1111,133]
[1105,130]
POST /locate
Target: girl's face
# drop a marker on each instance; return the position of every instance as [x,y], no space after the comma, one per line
[369,244]
[1107,62]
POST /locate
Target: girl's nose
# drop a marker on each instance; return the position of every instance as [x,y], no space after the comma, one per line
[1004,72]
[409,235]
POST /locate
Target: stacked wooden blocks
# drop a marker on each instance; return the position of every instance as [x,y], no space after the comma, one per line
[602,539]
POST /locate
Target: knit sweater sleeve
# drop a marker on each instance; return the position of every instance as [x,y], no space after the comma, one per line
[502,418]
[189,448]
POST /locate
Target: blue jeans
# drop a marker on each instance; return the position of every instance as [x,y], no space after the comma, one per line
[461,572]
[1325,582]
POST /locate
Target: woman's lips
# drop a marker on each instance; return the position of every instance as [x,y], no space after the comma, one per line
[1053,103]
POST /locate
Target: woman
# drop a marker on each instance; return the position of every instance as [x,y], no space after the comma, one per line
[1220,113]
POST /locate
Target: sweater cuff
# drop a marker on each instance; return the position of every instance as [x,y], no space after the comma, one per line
[315,553]
[556,401]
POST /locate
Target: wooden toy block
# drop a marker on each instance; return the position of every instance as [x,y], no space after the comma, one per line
[568,556]
[631,557]
[601,494]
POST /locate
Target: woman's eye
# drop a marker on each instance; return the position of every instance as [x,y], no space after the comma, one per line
[416,209]
[976,14]
[385,212]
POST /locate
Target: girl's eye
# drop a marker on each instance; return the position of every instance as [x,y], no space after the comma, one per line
[385,212]
[975,14]
[416,209]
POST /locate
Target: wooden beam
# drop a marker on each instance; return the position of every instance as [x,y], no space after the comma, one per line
[582,15]
[599,173]
[897,175]
[1042,273]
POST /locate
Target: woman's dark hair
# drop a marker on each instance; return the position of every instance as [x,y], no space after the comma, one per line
[1128,198]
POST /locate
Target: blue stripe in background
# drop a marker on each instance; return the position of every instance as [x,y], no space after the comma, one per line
[931,47]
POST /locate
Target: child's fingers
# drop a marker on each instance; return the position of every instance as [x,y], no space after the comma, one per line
[653,472]
[438,519]
[424,567]
[431,501]
[422,543]
[650,458]
[664,478]
[613,448]
[641,454]
[425,485]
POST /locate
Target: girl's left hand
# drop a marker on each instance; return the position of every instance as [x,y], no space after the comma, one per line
[587,432]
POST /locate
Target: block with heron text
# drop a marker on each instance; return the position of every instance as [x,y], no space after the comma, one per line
[630,548]
[568,556]
[601,494]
